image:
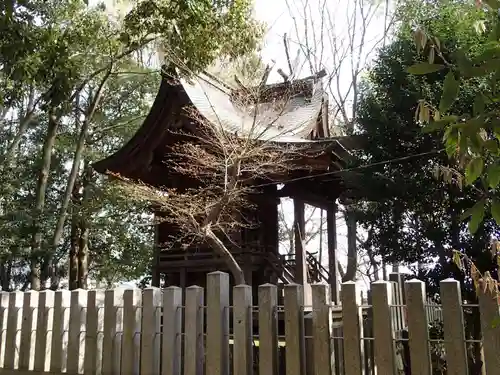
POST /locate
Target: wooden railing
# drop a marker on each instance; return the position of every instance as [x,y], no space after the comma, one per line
[317,273]
[283,270]
[284,266]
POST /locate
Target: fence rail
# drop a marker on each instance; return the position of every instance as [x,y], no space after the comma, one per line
[200,332]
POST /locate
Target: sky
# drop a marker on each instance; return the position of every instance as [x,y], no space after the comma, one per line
[327,25]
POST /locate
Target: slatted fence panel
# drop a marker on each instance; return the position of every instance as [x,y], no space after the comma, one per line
[119,332]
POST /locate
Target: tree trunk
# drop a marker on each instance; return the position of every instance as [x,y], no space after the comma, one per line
[23,126]
[73,254]
[371,257]
[75,167]
[374,264]
[219,248]
[55,277]
[41,189]
[5,274]
[384,271]
[76,198]
[83,249]
[83,254]
[213,215]
[352,256]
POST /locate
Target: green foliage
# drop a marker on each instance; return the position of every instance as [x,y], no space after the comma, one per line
[472,139]
[417,216]
[120,239]
[450,92]
[51,54]
[495,209]
[425,68]
[54,55]
[493,175]
[474,169]
[194,33]
[476,216]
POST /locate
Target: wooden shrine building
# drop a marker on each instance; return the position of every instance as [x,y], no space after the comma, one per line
[302,118]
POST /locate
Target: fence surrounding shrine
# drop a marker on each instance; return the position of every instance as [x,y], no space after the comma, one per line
[155,331]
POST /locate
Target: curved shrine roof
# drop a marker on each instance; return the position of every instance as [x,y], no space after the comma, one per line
[286,113]
[289,118]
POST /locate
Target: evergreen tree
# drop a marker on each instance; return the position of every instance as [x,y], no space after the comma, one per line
[417,217]
[75,84]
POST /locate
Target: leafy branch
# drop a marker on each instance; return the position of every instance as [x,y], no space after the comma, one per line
[470,137]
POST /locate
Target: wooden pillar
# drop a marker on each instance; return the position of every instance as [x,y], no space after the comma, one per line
[333,270]
[299,232]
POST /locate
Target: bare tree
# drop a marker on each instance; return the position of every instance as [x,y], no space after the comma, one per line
[243,71]
[341,37]
[286,230]
[226,164]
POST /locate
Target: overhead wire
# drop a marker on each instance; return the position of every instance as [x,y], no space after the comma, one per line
[359,167]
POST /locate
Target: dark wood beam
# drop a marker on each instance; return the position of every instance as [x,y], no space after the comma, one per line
[198,267]
[191,264]
[309,196]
